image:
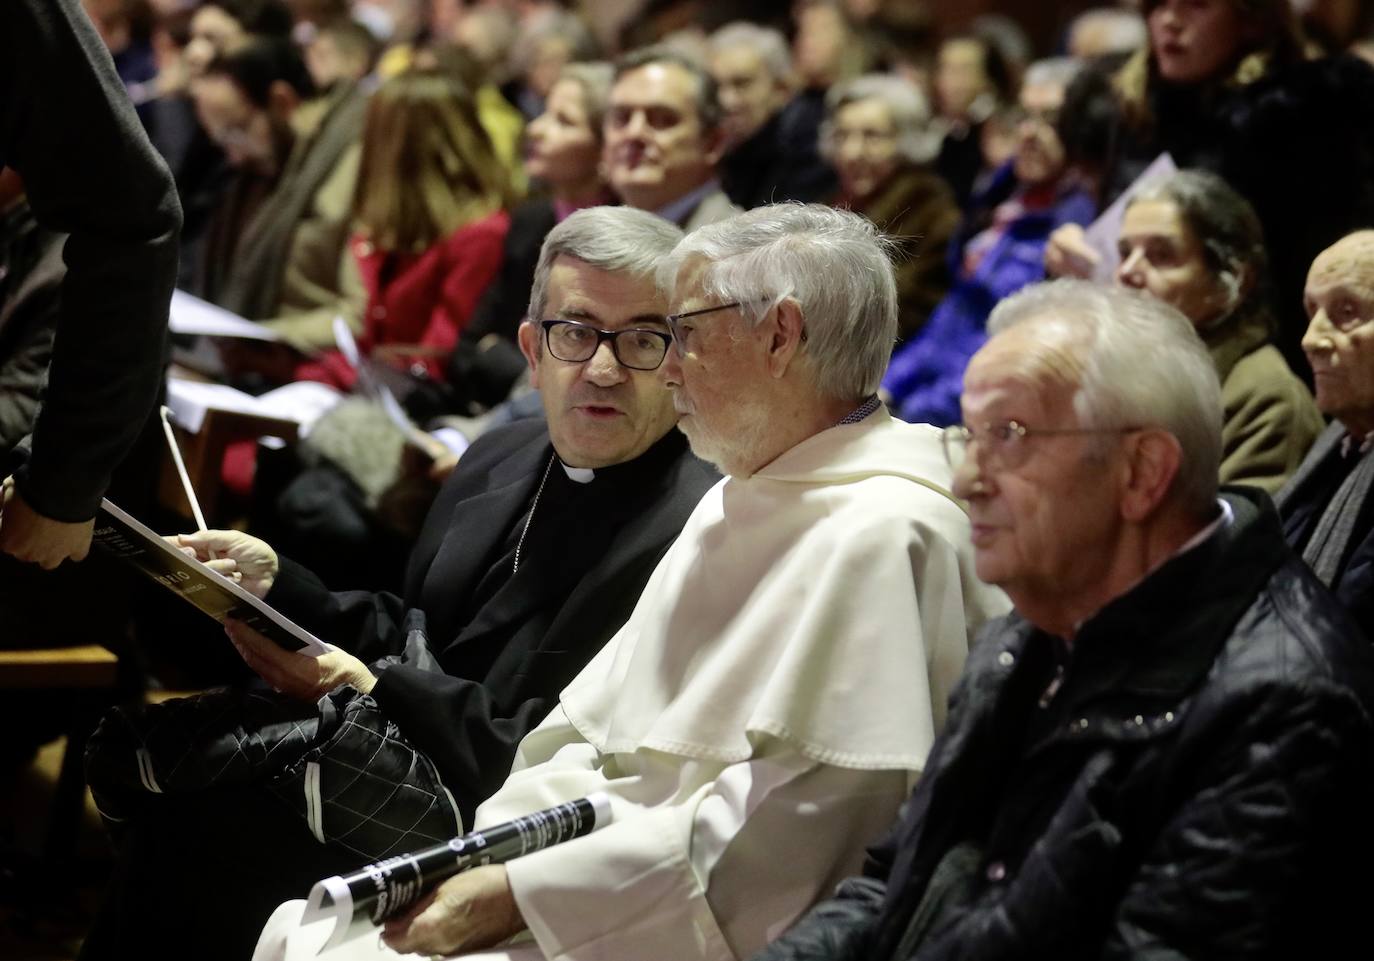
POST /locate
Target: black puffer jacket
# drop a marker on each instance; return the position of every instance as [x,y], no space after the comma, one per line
[1197,783]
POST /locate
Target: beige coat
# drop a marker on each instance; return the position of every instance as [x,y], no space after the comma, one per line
[1269,417]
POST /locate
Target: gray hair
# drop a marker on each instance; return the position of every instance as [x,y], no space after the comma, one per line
[834,264]
[595,80]
[917,140]
[707,98]
[552,25]
[769,44]
[1054,71]
[1143,366]
[619,239]
[1228,228]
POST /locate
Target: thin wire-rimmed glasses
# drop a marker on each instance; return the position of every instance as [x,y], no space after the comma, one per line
[1004,445]
[637,348]
[681,333]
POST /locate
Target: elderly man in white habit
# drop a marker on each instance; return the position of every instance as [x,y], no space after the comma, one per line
[764,711]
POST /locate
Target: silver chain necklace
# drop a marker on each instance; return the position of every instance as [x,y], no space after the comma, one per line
[515,568]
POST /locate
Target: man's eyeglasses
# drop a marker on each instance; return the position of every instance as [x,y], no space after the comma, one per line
[635,347]
[1005,445]
[681,332]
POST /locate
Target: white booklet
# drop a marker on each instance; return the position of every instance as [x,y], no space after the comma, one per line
[372,383]
[1104,232]
[191,315]
[361,902]
[301,402]
[125,537]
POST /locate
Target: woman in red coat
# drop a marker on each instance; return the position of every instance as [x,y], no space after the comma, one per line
[431,211]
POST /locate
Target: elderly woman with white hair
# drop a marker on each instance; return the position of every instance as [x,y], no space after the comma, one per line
[877,134]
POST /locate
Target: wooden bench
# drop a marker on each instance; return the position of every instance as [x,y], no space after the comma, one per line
[67,668]
[86,671]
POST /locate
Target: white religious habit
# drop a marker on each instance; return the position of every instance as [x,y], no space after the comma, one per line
[759,718]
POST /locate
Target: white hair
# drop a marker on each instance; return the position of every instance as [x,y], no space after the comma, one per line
[620,239]
[1052,71]
[552,25]
[1143,366]
[769,44]
[1120,31]
[834,264]
[917,140]
[594,78]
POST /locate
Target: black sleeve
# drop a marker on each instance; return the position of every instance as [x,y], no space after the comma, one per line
[459,726]
[840,929]
[1254,853]
[366,624]
[24,366]
[67,127]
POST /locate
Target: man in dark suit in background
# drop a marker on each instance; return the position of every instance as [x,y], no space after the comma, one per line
[533,555]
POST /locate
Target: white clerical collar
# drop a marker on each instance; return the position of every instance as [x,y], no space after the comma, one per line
[578,475]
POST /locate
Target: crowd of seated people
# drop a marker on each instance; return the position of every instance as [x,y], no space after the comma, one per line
[874,481]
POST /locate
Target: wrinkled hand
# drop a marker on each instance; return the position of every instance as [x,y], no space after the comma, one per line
[468,912]
[233,552]
[1068,253]
[29,536]
[297,675]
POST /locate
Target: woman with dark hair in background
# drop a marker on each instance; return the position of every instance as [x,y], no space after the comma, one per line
[972,79]
[1225,85]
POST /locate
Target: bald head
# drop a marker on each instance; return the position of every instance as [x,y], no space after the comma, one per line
[1339,343]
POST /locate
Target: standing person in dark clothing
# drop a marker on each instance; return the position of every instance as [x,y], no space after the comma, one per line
[90,172]
[31,273]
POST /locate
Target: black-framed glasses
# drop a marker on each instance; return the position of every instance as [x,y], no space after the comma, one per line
[680,334]
[637,348]
[1005,445]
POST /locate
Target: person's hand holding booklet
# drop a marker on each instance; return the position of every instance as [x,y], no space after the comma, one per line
[128,539]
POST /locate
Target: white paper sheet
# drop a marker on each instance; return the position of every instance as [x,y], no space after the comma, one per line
[191,315]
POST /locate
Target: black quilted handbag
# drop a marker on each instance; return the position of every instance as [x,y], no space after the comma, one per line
[339,763]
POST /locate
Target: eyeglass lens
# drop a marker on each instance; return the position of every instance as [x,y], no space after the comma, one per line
[636,349]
